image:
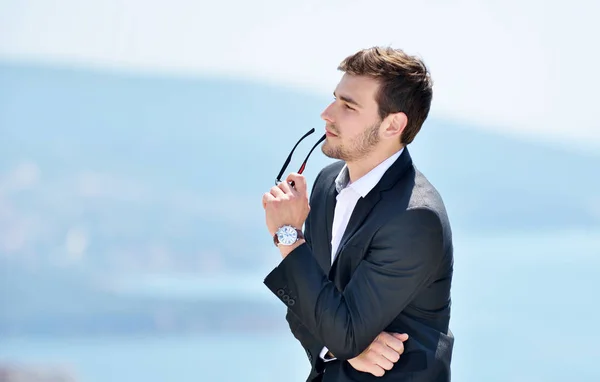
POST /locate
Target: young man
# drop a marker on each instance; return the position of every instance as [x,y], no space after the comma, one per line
[367,284]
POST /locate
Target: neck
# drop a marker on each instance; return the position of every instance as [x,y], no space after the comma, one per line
[359,168]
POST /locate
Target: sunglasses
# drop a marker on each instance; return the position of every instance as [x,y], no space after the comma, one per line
[289,158]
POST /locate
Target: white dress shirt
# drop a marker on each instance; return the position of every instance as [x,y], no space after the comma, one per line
[348,196]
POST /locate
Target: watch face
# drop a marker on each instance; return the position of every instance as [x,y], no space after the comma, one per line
[287,235]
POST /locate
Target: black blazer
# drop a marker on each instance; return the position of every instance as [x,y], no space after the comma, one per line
[393,273]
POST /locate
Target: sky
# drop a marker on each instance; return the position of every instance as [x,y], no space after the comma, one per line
[526,68]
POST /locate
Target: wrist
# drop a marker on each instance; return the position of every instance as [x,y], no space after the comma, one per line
[287,249]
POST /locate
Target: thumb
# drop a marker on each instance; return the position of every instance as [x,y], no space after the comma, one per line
[401,336]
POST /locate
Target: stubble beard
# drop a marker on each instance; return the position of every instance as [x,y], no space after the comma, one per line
[359,148]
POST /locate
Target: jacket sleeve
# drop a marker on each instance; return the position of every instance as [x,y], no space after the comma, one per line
[402,258]
[311,345]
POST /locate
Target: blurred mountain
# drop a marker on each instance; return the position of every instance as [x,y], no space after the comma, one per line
[117,173]
[33,373]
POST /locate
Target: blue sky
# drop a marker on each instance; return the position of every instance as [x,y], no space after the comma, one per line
[522,67]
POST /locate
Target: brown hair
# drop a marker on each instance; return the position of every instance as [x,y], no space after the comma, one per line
[405,84]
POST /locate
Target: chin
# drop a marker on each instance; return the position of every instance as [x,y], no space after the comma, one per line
[329,151]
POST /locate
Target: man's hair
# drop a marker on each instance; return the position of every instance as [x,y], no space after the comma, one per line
[405,84]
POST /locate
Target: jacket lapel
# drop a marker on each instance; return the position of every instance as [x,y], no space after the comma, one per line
[365,205]
[330,201]
[359,214]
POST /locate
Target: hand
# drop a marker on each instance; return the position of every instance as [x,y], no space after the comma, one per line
[381,355]
[285,204]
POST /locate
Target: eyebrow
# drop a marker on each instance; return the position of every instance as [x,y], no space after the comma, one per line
[347,100]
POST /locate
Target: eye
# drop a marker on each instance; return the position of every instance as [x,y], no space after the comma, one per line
[348,106]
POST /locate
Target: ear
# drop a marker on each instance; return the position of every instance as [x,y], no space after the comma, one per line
[397,124]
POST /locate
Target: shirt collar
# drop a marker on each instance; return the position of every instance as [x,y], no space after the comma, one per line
[365,184]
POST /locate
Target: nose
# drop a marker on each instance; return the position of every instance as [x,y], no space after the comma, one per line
[327,115]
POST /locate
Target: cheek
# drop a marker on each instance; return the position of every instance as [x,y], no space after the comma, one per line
[347,119]
[351,127]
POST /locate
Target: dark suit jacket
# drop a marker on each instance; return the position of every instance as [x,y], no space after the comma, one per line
[392,273]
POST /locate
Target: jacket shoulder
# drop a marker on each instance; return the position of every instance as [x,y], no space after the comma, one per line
[330,171]
[326,175]
[425,196]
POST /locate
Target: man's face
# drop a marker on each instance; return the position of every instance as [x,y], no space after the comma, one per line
[352,119]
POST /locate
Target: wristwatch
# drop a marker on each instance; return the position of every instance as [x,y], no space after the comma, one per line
[287,235]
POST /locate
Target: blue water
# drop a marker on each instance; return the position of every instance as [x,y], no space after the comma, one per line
[525,308]
[158,359]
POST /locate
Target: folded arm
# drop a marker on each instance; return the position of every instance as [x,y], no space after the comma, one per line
[402,258]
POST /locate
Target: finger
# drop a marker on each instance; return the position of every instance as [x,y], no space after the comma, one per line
[401,336]
[385,351]
[393,342]
[277,192]
[299,182]
[286,188]
[375,369]
[267,197]
[384,363]
[378,359]
[366,365]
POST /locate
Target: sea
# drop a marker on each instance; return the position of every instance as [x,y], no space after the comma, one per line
[526,308]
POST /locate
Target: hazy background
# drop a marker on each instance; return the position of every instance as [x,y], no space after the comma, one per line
[137,138]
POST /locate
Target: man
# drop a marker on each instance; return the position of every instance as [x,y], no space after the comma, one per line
[367,284]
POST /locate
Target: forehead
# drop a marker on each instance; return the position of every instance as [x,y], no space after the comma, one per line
[362,89]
